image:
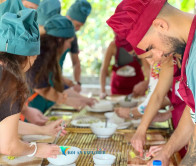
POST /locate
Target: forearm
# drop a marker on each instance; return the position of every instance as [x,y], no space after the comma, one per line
[150,112]
[182,134]
[10,144]
[29,129]
[103,80]
[77,72]
[16,147]
[71,93]
[49,93]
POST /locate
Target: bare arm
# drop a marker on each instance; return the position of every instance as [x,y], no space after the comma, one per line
[76,66]
[60,98]
[10,144]
[179,139]
[156,100]
[29,129]
[111,50]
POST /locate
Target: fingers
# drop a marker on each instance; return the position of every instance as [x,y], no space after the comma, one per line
[63,132]
[150,163]
[153,150]
[58,122]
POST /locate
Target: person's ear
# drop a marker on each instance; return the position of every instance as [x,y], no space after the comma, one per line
[160,24]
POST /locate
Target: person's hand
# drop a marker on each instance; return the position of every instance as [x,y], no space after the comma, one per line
[77,88]
[154,150]
[138,141]
[75,102]
[103,95]
[53,128]
[160,156]
[35,116]
[89,101]
[45,150]
[62,97]
[140,88]
[123,112]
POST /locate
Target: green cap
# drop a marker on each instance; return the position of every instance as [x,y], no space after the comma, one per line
[47,9]
[19,33]
[11,6]
[59,26]
[79,10]
[34,1]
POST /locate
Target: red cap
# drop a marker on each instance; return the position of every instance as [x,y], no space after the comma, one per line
[121,42]
[133,18]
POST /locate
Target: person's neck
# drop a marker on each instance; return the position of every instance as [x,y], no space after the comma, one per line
[185,22]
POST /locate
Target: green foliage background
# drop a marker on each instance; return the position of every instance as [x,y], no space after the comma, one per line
[95,36]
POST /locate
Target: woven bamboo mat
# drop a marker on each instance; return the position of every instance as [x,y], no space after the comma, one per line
[117,145]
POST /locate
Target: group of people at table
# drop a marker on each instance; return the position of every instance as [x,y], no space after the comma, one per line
[35,39]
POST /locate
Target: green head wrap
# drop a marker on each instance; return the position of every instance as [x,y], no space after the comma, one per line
[59,26]
[47,9]
[19,32]
[35,1]
[79,10]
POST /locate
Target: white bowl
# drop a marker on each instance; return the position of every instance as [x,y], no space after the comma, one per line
[101,132]
[70,157]
[106,159]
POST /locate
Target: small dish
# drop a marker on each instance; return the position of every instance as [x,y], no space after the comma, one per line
[104,159]
[101,131]
[69,156]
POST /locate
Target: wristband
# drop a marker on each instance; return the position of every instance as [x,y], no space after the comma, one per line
[77,83]
[33,144]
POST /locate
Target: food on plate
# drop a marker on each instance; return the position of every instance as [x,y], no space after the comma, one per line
[53,118]
[85,121]
[11,157]
[132,154]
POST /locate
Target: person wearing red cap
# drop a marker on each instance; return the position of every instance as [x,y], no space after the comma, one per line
[163,31]
[126,72]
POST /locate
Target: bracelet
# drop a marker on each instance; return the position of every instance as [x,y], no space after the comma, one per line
[33,144]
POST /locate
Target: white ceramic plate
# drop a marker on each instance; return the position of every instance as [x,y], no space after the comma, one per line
[101,106]
[31,138]
[84,122]
[62,165]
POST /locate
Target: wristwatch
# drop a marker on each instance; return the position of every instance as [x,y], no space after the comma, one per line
[77,82]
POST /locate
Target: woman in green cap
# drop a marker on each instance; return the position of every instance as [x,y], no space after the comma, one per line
[45,75]
[19,47]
